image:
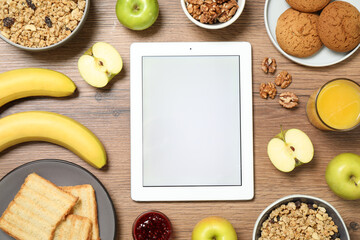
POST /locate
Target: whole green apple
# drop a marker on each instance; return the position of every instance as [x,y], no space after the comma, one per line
[214,228]
[343,175]
[137,14]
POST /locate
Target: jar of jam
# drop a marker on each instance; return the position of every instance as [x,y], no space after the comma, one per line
[152,225]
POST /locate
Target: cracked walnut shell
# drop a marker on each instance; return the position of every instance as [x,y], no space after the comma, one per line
[288,100]
[283,79]
[268,65]
[267,90]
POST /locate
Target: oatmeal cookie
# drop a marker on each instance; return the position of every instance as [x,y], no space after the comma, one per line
[296,33]
[339,26]
[308,5]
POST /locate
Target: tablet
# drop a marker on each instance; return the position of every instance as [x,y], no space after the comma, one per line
[191,121]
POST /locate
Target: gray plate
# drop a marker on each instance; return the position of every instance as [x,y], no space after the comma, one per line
[62,173]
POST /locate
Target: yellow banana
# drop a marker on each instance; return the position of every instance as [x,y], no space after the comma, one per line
[53,128]
[26,82]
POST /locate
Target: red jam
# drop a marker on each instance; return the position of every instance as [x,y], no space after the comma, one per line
[152,225]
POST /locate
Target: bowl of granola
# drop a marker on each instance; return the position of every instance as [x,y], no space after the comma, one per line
[213,14]
[38,25]
[300,217]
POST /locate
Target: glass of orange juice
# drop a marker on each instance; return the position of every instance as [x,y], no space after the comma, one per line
[335,106]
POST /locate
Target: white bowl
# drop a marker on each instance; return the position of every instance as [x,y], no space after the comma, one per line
[241,4]
[58,44]
[331,211]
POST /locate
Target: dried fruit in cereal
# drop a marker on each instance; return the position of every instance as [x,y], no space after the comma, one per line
[8,22]
[48,22]
[31,4]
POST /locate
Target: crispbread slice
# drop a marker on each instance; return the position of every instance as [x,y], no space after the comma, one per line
[86,205]
[74,228]
[36,210]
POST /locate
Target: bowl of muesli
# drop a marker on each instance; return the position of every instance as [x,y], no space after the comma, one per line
[213,14]
[300,217]
[39,25]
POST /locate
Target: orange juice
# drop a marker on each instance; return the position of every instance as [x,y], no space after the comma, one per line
[335,106]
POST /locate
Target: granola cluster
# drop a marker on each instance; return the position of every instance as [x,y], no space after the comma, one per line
[297,220]
[212,11]
[39,23]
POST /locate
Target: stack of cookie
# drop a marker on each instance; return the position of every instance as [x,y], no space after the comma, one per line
[301,31]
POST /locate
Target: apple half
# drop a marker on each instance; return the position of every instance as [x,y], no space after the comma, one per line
[290,149]
[100,64]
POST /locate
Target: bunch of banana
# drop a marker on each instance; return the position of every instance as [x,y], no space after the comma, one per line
[45,126]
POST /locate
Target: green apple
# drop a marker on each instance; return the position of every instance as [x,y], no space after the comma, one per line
[343,175]
[100,64]
[137,14]
[214,228]
[290,149]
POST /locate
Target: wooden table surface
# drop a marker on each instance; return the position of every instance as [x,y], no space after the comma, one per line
[107,113]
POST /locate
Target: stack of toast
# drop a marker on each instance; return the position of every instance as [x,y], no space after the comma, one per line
[43,211]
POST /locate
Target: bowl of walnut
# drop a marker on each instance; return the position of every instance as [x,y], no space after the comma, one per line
[38,25]
[213,14]
[300,217]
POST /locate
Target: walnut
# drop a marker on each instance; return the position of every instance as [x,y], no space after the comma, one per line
[212,11]
[197,2]
[268,65]
[283,79]
[267,90]
[288,100]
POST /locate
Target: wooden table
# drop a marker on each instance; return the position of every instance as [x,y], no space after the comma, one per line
[107,113]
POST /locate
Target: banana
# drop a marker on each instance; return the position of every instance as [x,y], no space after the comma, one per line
[54,128]
[27,82]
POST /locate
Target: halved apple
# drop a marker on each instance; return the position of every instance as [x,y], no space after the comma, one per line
[100,64]
[290,149]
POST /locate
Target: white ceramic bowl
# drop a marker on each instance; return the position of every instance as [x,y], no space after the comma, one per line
[241,4]
[58,44]
[331,211]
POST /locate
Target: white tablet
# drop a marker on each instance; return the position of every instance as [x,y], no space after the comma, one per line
[191,121]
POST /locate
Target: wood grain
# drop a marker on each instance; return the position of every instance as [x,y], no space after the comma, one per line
[107,113]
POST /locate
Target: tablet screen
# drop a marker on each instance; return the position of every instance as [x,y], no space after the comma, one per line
[191,121]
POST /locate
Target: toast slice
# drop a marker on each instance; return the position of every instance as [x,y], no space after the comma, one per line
[36,210]
[86,206]
[74,228]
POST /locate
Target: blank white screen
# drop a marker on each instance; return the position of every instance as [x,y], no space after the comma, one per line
[191,121]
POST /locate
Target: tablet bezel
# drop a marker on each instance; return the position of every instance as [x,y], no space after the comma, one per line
[191,193]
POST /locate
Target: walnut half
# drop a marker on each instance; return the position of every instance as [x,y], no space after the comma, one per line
[267,90]
[283,79]
[268,65]
[288,100]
